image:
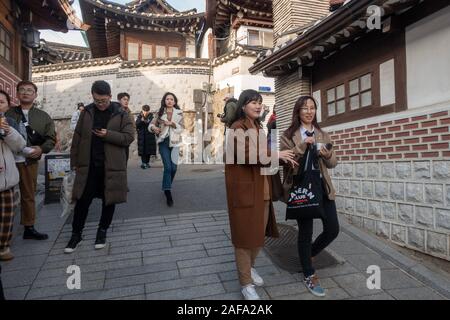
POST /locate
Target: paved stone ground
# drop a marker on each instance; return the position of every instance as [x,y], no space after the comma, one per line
[184,256]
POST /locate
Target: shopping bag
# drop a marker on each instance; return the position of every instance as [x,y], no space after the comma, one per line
[66,194]
[306,194]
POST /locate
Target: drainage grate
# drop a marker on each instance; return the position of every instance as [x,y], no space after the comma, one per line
[202,170]
[284,253]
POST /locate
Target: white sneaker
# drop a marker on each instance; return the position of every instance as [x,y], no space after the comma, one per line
[256,278]
[250,293]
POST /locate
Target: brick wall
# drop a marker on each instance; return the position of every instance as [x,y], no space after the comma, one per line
[393,179]
[8,82]
[418,137]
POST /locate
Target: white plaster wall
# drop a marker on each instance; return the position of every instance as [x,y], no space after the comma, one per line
[316,96]
[428,60]
[387,83]
[223,76]
[243,82]
[204,52]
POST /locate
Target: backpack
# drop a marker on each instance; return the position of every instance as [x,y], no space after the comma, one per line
[229,112]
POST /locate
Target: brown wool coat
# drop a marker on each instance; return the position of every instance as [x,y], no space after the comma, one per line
[245,198]
[297,145]
[120,134]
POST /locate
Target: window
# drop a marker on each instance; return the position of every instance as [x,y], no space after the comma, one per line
[5,44]
[133,51]
[160,51]
[147,51]
[173,52]
[336,100]
[354,94]
[361,92]
[267,39]
[260,38]
[253,38]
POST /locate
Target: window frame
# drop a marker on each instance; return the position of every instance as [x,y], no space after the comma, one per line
[153,51]
[10,47]
[349,114]
[138,50]
[249,30]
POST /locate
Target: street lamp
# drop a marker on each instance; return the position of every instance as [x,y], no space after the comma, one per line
[32,37]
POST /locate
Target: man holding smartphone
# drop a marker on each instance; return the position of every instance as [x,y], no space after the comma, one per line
[98,154]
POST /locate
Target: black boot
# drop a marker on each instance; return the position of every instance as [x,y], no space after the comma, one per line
[100,240]
[73,242]
[169,197]
[31,233]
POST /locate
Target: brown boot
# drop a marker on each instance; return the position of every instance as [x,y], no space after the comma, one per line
[6,255]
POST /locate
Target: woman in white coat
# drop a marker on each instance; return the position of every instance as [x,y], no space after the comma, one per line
[10,142]
[168,126]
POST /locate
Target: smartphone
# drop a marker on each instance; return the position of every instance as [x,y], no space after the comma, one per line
[98,128]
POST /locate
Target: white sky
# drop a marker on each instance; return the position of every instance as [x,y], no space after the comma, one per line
[75,38]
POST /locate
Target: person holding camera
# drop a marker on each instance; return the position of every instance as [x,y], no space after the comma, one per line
[98,155]
[41,139]
[305,133]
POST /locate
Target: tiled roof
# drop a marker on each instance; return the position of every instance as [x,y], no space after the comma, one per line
[165,62]
[78,64]
[134,12]
[240,50]
[325,36]
[123,64]
[52,52]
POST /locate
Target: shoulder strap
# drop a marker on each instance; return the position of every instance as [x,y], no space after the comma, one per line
[24,120]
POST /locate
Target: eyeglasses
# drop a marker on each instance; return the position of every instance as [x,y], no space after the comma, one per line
[28,91]
[101,102]
[308,109]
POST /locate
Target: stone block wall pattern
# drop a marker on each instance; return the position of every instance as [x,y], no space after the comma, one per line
[393,179]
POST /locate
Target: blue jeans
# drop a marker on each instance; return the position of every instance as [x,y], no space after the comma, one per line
[170,168]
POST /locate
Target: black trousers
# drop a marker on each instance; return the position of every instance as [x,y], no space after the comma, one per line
[95,188]
[145,158]
[307,248]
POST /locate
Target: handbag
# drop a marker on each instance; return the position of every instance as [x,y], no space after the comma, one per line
[33,137]
[306,194]
[277,187]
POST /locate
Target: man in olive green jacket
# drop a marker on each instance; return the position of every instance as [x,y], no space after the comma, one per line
[41,139]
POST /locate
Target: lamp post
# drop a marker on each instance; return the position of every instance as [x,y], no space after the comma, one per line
[31,37]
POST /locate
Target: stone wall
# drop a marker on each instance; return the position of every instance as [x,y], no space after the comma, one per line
[59,91]
[393,178]
[65,134]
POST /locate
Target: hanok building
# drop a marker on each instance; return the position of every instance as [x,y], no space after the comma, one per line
[238,31]
[19,21]
[145,48]
[383,93]
[53,53]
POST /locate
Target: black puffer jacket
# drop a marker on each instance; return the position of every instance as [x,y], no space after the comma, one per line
[146,139]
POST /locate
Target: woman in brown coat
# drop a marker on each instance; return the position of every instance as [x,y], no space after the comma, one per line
[249,192]
[304,132]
